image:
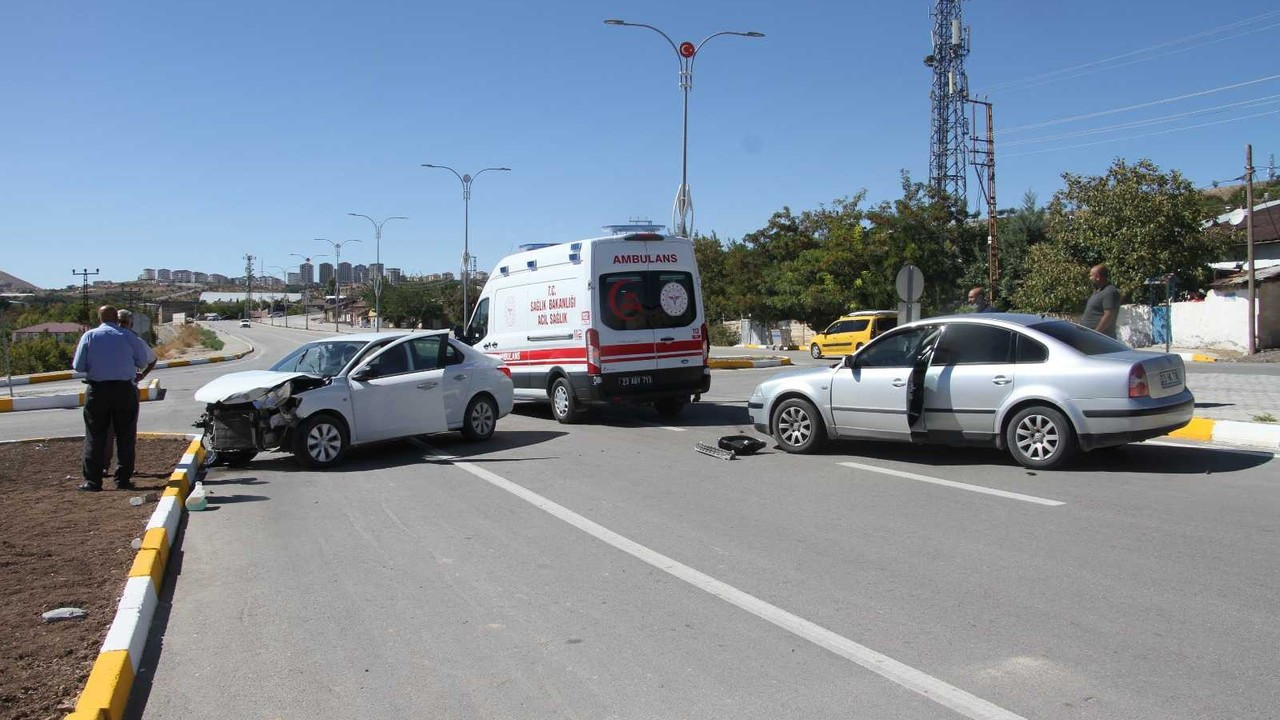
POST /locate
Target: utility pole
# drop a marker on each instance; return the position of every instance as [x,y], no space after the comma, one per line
[248,282]
[1251,346]
[84,277]
[984,156]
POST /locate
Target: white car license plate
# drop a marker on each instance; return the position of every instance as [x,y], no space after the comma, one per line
[1169,378]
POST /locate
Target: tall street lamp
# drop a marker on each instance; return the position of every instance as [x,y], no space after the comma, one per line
[284,280]
[337,275]
[377,280]
[686,53]
[306,316]
[466,223]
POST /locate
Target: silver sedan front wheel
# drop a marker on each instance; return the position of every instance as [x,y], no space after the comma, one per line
[320,441]
[797,426]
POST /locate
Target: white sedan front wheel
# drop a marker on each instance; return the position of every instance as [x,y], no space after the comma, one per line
[320,441]
[797,426]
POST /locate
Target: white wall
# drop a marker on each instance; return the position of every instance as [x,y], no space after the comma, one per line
[1220,321]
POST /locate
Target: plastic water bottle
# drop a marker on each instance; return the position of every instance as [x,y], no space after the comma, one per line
[197,500]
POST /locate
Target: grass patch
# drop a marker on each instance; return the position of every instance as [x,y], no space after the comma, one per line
[210,339]
[1264,417]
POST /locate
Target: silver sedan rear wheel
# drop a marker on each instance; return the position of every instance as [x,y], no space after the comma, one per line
[797,426]
[1040,437]
[481,419]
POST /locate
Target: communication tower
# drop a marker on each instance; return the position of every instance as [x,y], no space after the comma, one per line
[949,125]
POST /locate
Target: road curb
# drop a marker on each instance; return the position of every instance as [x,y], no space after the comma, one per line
[106,692]
[72,375]
[146,393]
[739,363]
[1264,436]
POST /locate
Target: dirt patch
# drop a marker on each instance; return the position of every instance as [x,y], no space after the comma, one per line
[60,547]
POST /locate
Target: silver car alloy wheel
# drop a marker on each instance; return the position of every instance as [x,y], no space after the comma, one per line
[482,419]
[1037,437]
[561,400]
[324,442]
[795,426]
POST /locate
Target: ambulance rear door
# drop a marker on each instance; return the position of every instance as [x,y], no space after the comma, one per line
[627,354]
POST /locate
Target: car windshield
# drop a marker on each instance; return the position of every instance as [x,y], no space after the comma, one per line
[322,358]
[1081,338]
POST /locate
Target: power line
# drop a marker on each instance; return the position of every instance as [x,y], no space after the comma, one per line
[1139,106]
[1142,135]
[1257,102]
[1098,65]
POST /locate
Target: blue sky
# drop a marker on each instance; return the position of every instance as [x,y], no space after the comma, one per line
[184,135]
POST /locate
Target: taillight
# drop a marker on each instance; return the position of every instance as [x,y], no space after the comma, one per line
[504,370]
[706,345]
[1138,382]
[593,352]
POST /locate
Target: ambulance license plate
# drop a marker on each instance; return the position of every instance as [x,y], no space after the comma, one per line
[1169,378]
[635,380]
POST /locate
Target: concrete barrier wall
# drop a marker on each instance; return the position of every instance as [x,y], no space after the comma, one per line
[1220,321]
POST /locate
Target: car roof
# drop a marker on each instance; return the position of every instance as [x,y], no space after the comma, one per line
[369,337]
[999,318]
[864,313]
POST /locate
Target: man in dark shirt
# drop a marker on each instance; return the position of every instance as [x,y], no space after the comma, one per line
[978,299]
[1103,307]
[110,357]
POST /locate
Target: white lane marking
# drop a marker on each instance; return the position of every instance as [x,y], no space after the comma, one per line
[954,484]
[656,425]
[945,694]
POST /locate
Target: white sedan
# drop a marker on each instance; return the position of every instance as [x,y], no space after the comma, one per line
[331,394]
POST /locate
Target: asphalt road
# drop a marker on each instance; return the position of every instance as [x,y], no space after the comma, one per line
[607,570]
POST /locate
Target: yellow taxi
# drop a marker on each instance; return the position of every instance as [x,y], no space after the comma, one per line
[850,332]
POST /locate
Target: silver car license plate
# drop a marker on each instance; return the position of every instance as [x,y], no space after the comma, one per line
[1169,378]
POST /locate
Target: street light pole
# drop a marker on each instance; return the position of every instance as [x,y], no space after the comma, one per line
[377,280]
[686,53]
[337,275]
[306,317]
[284,280]
[466,181]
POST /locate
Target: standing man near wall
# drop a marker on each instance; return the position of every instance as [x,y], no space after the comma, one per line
[1103,307]
[111,359]
[126,323]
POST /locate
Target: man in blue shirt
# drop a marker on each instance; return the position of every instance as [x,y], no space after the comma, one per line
[111,358]
[978,299]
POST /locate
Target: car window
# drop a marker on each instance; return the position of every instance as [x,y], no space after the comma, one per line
[647,299]
[452,355]
[855,325]
[479,326]
[425,352]
[1031,351]
[393,361]
[323,358]
[1081,338]
[885,324]
[898,349]
[972,344]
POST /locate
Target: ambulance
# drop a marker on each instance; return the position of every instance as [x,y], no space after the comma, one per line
[605,320]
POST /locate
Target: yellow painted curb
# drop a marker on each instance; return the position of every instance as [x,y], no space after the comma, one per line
[173,489]
[148,563]
[49,377]
[95,714]
[1196,357]
[178,363]
[157,539]
[6,404]
[108,686]
[1197,429]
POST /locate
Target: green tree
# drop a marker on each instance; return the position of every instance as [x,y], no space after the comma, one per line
[1057,282]
[1139,221]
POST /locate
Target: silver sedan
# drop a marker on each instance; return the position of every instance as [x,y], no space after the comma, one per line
[1041,388]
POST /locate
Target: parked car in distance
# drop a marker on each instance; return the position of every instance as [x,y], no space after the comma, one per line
[276,314]
[329,395]
[1040,388]
[244,323]
[850,332]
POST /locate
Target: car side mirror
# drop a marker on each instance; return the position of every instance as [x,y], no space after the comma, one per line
[362,374]
[851,362]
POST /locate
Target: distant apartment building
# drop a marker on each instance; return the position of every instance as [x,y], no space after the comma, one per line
[480,276]
[293,278]
[148,274]
[182,276]
[326,273]
[376,269]
[360,274]
[307,274]
[162,275]
[218,279]
[394,276]
[200,278]
[344,273]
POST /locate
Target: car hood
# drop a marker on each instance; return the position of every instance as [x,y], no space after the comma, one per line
[798,375]
[244,387]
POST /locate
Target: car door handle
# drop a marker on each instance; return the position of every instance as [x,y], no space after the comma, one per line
[899,382]
[1002,380]
[666,339]
[460,377]
[427,385]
